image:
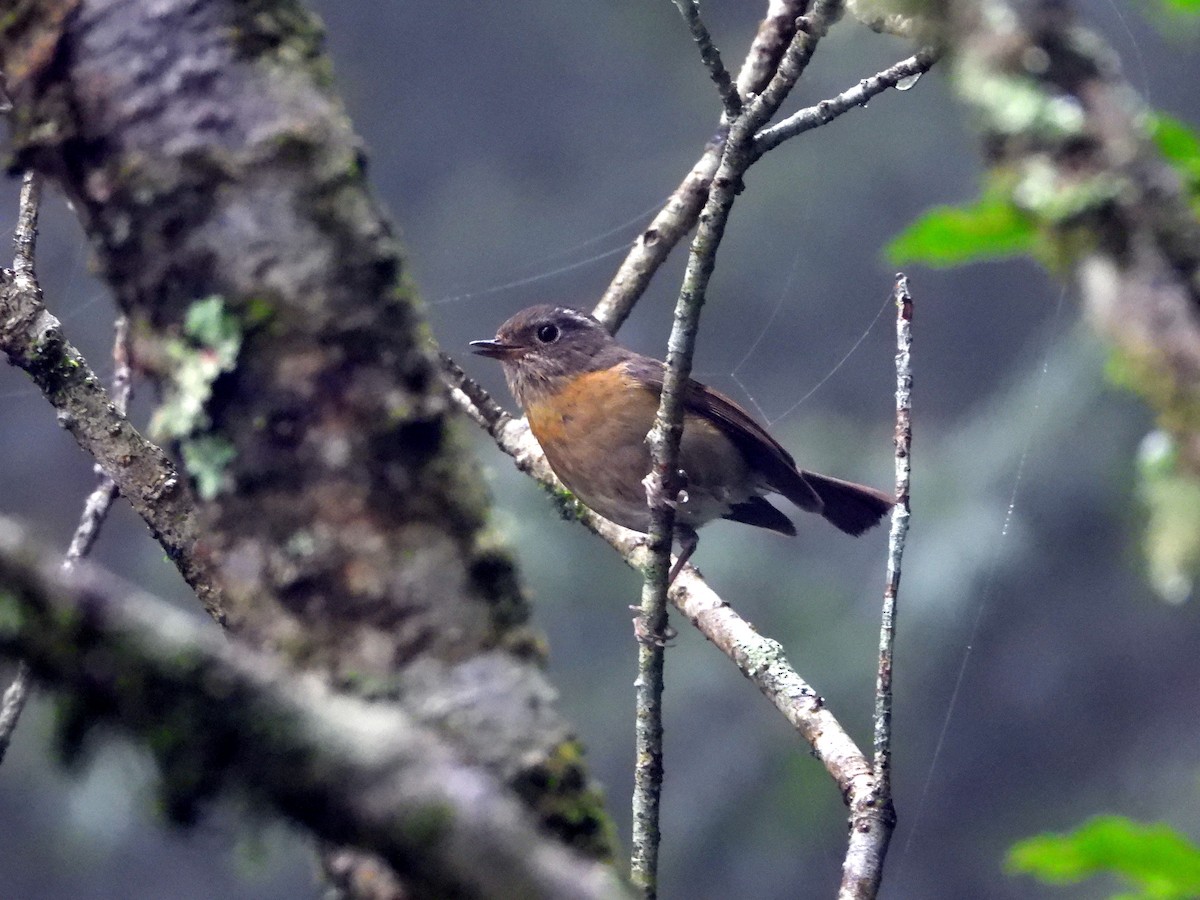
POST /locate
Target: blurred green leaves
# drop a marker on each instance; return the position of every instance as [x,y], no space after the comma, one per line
[1006,220]
[1179,144]
[1183,6]
[990,228]
[1157,861]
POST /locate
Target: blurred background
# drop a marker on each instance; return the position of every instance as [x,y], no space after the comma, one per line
[520,147]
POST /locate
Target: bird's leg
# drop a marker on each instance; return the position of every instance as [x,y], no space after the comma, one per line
[672,494]
[689,540]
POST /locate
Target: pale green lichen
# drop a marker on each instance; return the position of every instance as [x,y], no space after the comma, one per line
[1043,191]
[207,349]
[1017,104]
[1171,498]
[206,458]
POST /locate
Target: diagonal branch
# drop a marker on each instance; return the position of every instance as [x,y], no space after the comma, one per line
[350,771]
[730,99]
[827,110]
[100,500]
[872,814]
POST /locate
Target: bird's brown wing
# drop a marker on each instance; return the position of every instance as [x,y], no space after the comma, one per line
[764,454]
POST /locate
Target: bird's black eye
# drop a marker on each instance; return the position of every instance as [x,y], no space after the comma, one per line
[547,333]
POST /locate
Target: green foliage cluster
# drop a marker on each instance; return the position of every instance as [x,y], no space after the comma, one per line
[1179,145]
[1009,217]
[1155,860]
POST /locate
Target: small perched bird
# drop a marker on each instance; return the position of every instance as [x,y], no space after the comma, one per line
[591,402]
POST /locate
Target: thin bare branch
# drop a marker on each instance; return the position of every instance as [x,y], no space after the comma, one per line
[827,110]
[99,502]
[25,234]
[872,814]
[663,484]
[774,35]
[690,10]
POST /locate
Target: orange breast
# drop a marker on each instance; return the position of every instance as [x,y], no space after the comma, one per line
[593,432]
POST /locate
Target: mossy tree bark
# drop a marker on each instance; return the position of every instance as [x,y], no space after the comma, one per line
[222,189]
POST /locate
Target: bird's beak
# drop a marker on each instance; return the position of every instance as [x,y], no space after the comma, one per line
[496,349]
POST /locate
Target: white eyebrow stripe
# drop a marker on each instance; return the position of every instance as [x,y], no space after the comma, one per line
[574,315]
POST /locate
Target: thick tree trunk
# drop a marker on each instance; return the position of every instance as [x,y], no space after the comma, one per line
[223,191]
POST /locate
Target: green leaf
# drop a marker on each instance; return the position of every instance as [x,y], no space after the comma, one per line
[992,228]
[1179,143]
[1182,6]
[1155,859]
[1175,139]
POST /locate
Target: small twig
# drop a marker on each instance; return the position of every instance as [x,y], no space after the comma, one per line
[99,502]
[901,513]
[690,10]
[662,483]
[827,110]
[25,234]
[487,412]
[772,38]
[872,814]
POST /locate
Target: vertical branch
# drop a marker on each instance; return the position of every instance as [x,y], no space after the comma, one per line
[663,483]
[897,536]
[872,816]
[25,234]
[662,490]
[25,240]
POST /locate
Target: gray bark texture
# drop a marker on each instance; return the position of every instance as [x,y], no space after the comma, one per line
[222,189]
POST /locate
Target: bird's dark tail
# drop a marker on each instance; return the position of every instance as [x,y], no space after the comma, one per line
[853,508]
